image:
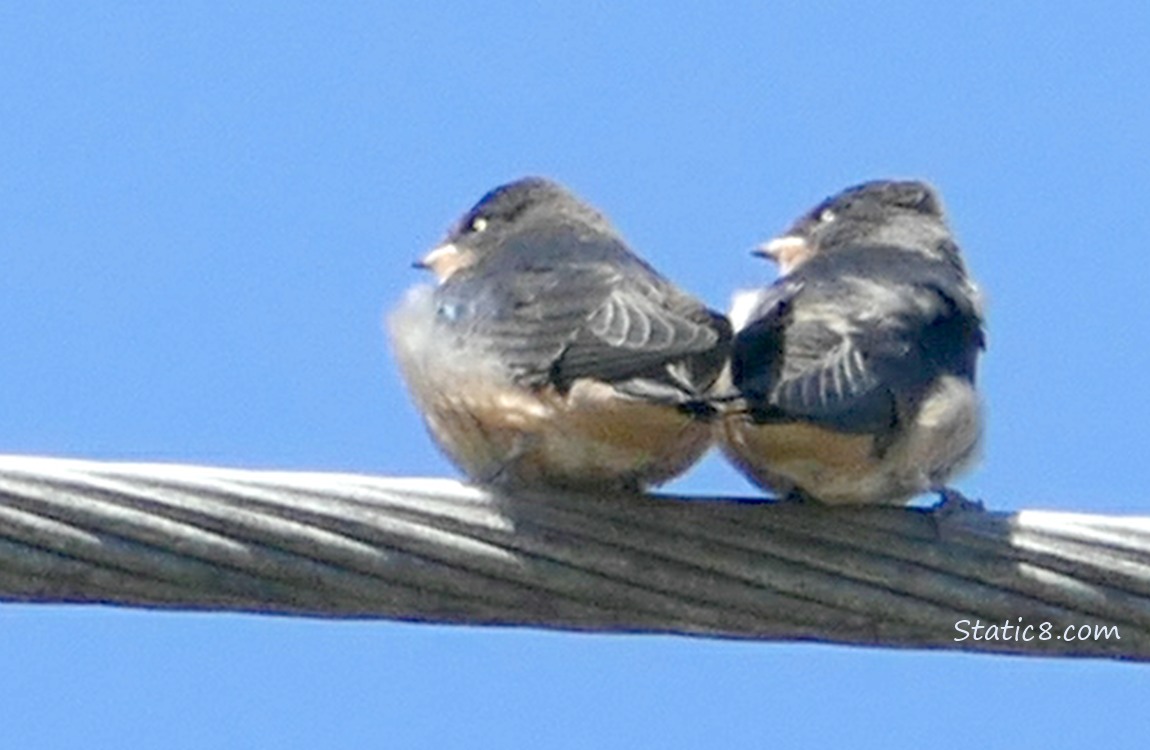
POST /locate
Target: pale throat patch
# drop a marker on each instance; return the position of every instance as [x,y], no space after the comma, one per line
[788,251]
[446,259]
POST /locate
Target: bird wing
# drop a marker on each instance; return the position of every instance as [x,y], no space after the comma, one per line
[845,350]
[604,319]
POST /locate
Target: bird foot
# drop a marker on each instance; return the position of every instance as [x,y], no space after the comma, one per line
[797,497]
[952,501]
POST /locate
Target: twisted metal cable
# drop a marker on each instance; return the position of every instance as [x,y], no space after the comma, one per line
[341,545]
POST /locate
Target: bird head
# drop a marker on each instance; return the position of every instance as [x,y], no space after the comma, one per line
[876,212]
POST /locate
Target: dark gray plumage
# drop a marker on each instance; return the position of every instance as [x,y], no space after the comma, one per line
[856,369]
[586,366]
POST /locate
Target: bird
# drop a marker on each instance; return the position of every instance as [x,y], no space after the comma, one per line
[852,376]
[548,354]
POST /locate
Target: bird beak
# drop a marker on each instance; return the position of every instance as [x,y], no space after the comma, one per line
[788,251]
[445,260]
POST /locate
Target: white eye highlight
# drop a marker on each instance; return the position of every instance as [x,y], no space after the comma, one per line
[827,216]
[478,224]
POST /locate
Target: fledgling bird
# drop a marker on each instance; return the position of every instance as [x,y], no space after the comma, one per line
[548,354]
[855,371]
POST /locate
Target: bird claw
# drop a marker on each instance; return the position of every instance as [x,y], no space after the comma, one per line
[952,501]
[795,496]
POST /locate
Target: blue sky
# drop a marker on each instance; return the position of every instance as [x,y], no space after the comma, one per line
[205,211]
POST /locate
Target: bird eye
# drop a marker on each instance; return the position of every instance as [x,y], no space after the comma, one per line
[826,216]
[478,224]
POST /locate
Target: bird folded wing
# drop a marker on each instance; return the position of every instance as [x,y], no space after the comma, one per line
[590,321]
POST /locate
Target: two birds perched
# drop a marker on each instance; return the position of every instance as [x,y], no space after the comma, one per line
[548,354]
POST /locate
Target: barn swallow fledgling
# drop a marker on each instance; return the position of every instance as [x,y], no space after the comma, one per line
[855,371]
[549,354]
